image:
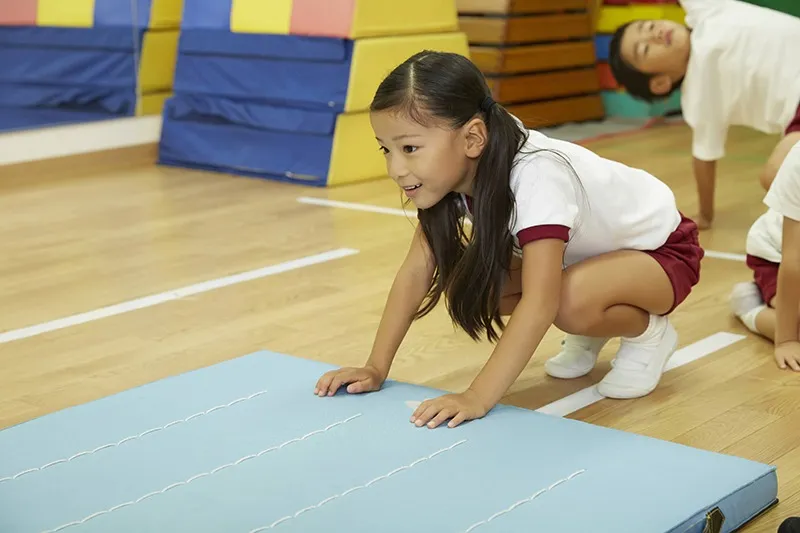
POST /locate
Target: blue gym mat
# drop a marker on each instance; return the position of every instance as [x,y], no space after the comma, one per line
[245,446]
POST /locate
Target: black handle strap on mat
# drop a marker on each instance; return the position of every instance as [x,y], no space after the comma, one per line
[714,520]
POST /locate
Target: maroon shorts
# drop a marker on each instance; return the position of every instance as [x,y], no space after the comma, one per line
[680,258]
[794,124]
[765,274]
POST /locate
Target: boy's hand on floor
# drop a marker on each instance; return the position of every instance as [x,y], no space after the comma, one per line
[787,355]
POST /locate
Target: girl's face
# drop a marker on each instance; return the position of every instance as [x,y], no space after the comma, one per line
[656,47]
[427,162]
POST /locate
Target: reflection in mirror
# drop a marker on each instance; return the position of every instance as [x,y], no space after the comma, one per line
[77,61]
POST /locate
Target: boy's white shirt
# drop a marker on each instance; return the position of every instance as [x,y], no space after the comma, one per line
[783,199]
[744,69]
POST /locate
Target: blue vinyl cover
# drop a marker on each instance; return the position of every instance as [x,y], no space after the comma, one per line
[244,446]
[211,14]
[21,119]
[120,13]
[101,68]
[602,42]
[120,39]
[313,73]
[240,147]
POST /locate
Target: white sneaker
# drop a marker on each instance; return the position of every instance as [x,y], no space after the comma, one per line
[744,298]
[640,362]
[577,357]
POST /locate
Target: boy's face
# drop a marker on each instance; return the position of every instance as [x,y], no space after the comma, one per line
[656,47]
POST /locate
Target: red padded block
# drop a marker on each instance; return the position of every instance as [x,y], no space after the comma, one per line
[18,12]
[606,77]
[326,18]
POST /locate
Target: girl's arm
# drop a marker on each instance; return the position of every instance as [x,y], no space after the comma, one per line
[409,288]
[530,320]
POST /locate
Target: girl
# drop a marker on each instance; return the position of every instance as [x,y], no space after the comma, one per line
[560,236]
[770,305]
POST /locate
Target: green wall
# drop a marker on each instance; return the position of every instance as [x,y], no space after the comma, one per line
[787,6]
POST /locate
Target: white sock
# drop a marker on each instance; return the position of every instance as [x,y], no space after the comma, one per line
[651,334]
[746,303]
[749,318]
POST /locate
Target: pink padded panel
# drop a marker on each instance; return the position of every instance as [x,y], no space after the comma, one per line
[328,18]
[18,12]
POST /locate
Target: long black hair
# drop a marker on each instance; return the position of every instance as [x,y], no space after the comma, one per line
[448,88]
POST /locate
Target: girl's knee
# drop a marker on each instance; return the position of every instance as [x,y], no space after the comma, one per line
[577,312]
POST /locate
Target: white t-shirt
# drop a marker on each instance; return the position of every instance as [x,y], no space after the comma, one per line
[783,199]
[744,69]
[612,207]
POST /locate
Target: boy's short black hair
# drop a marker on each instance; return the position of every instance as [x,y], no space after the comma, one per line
[635,82]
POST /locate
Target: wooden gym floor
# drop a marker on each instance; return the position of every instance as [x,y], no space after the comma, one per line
[78,238]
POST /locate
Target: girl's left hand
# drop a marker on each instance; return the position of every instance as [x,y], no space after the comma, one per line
[459,407]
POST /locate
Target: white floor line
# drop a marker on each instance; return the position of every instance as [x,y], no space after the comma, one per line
[156,299]
[693,352]
[412,213]
[726,255]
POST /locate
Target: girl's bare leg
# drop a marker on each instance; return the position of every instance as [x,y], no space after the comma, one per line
[619,294]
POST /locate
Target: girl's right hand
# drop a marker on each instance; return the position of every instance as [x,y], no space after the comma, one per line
[365,379]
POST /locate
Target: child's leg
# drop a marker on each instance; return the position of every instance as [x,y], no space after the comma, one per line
[779,153]
[753,302]
[626,294]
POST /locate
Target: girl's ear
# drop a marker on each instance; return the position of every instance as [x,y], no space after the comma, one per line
[476,137]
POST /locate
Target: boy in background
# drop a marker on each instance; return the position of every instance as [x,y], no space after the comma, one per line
[735,64]
[770,305]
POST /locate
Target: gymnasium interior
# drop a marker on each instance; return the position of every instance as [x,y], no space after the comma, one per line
[198,223]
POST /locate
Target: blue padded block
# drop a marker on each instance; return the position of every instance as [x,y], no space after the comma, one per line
[120,39]
[215,14]
[602,43]
[245,446]
[120,13]
[286,47]
[255,140]
[21,119]
[285,70]
[100,68]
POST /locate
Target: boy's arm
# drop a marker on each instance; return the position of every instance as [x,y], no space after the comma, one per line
[787,299]
[411,284]
[705,173]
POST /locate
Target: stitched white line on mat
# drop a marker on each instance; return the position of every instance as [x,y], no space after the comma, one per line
[133,437]
[204,474]
[364,486]
[526,500]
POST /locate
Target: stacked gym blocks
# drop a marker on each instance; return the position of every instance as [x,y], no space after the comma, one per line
[67,61]
[611,15]
[280,89]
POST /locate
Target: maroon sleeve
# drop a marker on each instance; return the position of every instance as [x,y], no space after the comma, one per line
[547,231]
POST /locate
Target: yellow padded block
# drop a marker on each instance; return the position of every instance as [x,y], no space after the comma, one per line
[355,155]
[66,13]
[158,59]
[166,14]
[374,58]
[397,17]
[612,17]
[152,104]
[261,16]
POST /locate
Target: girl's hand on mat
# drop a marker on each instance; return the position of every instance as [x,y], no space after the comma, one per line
[365,379]
[787,355]
[457,407]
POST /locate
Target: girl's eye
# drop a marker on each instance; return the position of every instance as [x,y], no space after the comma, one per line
[383,150]
[409,149]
